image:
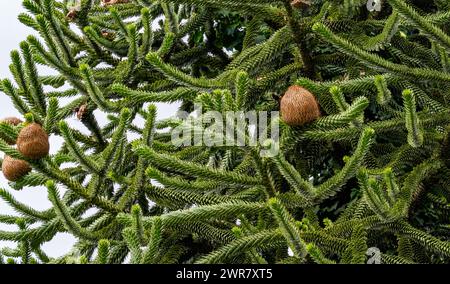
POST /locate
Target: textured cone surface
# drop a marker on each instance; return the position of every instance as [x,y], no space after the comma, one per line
[299,106]
[13,121]
[14,169]
[32,142]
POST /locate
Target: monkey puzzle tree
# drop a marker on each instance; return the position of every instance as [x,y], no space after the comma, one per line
[364,131]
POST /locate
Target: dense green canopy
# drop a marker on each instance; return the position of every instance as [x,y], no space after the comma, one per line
[371,174]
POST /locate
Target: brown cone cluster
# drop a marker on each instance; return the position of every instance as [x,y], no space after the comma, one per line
[33,142]
[299,106]
[14,169]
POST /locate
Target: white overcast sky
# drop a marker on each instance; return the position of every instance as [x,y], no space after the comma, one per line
[12,32]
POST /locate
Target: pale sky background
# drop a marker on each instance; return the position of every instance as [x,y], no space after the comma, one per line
[12,32]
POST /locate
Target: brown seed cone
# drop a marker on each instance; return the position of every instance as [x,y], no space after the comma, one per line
[299,106]
[33,142]
[13,121]
[14,169]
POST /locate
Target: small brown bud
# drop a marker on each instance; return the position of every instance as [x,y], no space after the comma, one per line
[72,14]
[302,4]
[112,2]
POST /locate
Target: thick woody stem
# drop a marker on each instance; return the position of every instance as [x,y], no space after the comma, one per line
[299,34]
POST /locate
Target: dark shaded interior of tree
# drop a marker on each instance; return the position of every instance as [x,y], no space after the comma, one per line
[368,168]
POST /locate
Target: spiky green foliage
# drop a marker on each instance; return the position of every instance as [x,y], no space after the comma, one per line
[371,174]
